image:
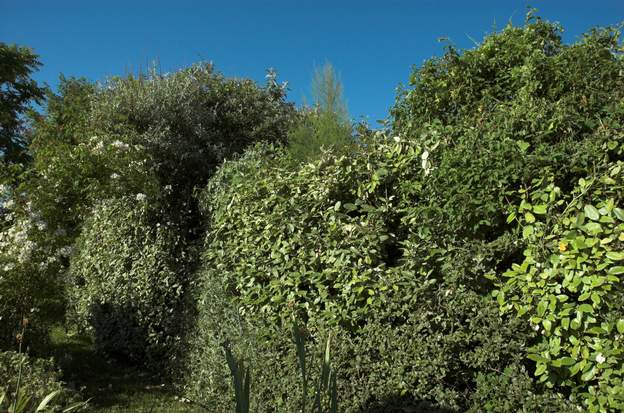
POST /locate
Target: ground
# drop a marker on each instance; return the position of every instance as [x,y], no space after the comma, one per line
[112,386]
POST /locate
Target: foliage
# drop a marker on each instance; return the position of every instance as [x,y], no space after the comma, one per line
[327,244]
[131,277]
[317,131]
[17,91]
[569,286]
[241,380]
[315,241]
[241,377]
[155,137]
[393,241]
[32,385]
[327,92]
[514,391]
[29,287]
[155,133]
[520,105]
[39,378]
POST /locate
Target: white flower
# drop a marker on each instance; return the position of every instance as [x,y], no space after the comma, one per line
[98,148]
[26,252]
[397,139]
[42,225]
[9,204]
[120,145]
[114,176]
[600,358]
[66,251]
[141,197]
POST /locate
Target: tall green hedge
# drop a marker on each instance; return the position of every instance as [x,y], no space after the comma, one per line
[395,245]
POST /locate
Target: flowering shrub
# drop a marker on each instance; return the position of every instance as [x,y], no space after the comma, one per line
[29,282]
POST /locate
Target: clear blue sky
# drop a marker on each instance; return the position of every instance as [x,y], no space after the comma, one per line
[372,44]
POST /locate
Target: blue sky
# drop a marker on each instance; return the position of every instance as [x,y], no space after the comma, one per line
[372,44]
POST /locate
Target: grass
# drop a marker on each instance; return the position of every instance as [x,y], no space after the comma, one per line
[112,386]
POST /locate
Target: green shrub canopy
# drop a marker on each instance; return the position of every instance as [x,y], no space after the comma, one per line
[399,241]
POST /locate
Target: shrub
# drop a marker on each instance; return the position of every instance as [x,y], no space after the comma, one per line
[156,136]
[131,278]
[327,243]
[393,243]
[38,378]
[29,283]
[513,390]
[569,287]
[520,105]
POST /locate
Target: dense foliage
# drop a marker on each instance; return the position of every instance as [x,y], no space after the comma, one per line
[569,285]
[131,280]
[397,243]
[37,379]
[467,259]
[324,126]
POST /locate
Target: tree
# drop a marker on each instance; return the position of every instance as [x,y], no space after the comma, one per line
[326,124]
[327,92]
[17,91]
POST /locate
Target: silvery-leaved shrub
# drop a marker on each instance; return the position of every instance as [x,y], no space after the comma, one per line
[130,281]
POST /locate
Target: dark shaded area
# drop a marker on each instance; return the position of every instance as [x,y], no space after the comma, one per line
[118,333]
[111,384]
[403,404]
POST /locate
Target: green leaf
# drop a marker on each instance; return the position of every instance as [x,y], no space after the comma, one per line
[527,231]
[585,308]
[529,217]
[616,270]
[591,212]
[593,227]
[44,403]
[540,209]
[522,145]
[541,368]
[620,326]
[615,256]
[619,213]
[589,374]
[566,361]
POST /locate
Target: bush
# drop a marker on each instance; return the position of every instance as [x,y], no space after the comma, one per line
[396,243]
[156,137]
[39,378]
[520,105]
[513,390]
[29,283]
[569,286]
[131,280]
[323,243]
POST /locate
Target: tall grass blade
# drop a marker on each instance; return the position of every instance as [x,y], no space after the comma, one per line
[300,343]
[241,379]
[46,400]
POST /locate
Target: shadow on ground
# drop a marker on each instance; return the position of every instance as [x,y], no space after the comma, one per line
[403,404]
[112,386]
